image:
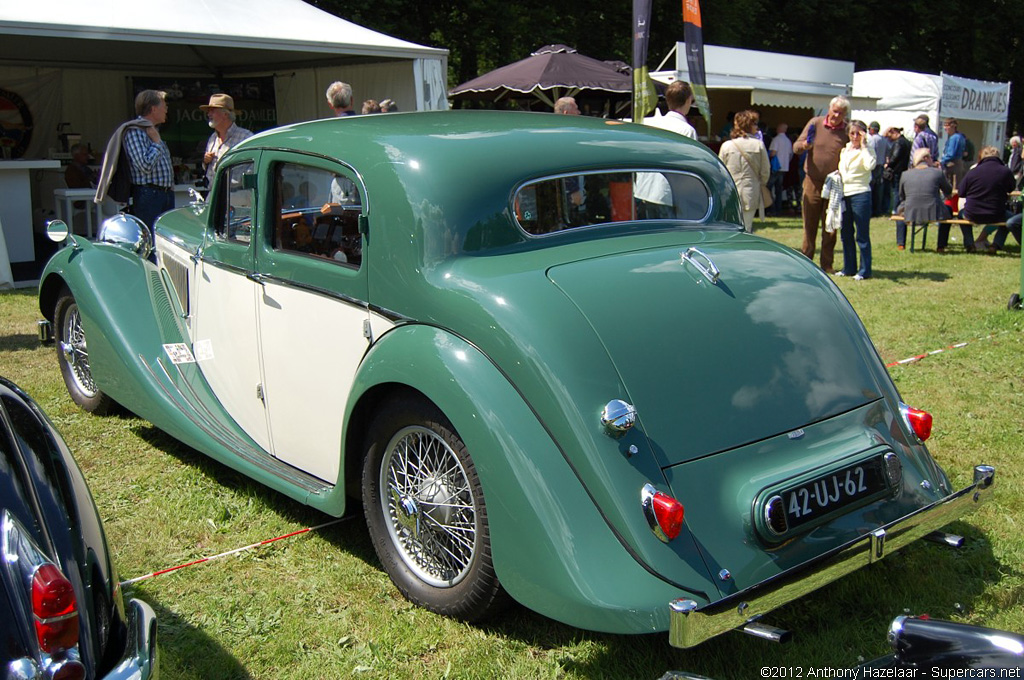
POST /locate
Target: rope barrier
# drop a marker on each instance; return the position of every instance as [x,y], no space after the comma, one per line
[914,359]
[201,560]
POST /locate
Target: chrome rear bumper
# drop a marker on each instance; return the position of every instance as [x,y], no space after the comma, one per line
[140,660]
[691,624]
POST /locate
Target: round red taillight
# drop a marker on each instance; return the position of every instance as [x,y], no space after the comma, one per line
[55,609]
[920,422]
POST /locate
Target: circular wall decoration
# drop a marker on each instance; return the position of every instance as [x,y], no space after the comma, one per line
[15,125]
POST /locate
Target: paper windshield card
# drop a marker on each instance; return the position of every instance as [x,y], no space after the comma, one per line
[179,353]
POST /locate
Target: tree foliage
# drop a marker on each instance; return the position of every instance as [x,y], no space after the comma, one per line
[981,39]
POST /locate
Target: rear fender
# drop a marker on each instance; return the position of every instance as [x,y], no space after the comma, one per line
[552,549]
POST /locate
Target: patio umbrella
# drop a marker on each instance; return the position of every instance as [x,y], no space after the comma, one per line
[551,72]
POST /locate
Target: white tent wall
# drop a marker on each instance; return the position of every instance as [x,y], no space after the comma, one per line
[904,95]
[784,88]
[301,94]
[94,102]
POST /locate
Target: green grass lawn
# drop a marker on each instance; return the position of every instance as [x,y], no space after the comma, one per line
[319,606]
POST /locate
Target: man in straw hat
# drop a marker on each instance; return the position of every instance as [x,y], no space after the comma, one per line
[220,114]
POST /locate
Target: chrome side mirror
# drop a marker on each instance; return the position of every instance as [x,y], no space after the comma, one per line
[57,231]
[129,232]
[195,196]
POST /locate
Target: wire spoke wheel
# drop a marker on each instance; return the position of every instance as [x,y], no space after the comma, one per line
[426,511]
[75,351]
[73,357]
[430,506]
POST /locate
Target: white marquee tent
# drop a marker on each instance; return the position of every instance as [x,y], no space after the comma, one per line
[784,87]
[71,62]
[979,106]
[90,47]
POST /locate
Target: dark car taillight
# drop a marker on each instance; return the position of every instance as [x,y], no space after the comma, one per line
[46,600]
[54,609]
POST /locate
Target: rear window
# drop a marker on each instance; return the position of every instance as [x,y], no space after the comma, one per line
[589,199]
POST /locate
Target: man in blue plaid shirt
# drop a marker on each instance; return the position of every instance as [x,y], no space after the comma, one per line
[149,158]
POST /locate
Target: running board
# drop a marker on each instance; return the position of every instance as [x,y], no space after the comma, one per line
[192,407]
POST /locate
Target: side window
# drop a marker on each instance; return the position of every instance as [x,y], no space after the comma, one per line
[234,214]
[317,214]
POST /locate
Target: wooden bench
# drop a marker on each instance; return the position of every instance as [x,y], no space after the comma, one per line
[923,228]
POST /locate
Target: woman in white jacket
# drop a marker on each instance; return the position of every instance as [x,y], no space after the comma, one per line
[747,161]
[856,161]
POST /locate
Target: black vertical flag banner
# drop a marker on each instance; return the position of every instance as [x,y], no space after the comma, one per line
[693,37]
[644,96]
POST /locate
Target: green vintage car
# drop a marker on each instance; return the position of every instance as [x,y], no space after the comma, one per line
[538,349]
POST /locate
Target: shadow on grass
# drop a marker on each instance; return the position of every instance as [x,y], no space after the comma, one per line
[188,653]
[904,275]
[13,343]
[837,626]
[349,536]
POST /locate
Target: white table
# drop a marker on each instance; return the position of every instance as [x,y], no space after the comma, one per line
[63,202]
[16,206]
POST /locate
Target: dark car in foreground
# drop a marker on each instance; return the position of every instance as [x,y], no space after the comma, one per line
[62,615]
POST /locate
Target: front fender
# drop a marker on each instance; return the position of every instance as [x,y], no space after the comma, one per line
[552,549]
[129,314]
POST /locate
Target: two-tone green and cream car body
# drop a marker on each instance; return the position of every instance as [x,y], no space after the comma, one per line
[625,414]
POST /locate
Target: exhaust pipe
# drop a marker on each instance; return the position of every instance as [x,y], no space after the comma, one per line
[766,632]
[942,537]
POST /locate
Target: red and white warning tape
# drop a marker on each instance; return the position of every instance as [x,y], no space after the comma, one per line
[229,552]
[910,360]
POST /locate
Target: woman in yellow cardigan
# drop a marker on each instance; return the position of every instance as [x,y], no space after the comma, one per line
[856,161]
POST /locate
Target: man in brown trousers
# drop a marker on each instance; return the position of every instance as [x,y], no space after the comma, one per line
[822,138]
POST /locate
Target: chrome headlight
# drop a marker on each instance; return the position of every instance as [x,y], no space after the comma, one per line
[127,231]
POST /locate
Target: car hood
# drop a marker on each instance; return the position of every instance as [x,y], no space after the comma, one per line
[769,347]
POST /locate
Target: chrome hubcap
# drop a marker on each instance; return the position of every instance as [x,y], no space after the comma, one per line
[429,506]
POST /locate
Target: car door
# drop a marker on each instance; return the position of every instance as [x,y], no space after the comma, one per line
[312,305]
[225,336]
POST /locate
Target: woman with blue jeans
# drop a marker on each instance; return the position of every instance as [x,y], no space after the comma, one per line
[856,161]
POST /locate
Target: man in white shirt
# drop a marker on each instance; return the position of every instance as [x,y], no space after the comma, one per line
[652,191]
[679,97]
[781,153]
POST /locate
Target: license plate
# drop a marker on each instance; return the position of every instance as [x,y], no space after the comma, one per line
[828,493]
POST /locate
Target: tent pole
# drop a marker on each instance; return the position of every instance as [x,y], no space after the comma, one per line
[667,56]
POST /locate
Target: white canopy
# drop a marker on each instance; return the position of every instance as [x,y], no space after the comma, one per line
[89,48]
[202,36]
[68,64]
[771,78]
[980,106]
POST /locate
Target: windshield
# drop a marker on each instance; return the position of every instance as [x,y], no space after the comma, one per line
[570,201]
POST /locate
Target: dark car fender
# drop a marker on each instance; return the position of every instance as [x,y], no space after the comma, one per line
[552,549]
